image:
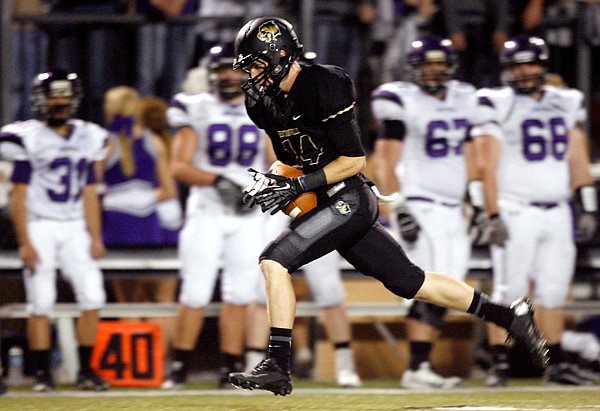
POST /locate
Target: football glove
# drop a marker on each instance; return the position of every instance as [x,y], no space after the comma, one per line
[409,227]
[585,227]
[276,196]
[586,206]
[495,231]
[478,221]
[477,226]
[231,194]
[258,184]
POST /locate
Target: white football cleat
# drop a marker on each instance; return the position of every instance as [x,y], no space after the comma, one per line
[426,378]
[348,379]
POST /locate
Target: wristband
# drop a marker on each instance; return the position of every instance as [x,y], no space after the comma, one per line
[586,198]
[313,180]
[475,193]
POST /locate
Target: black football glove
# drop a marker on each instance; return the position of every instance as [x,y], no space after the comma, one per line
[275,197]
[231,194]
[409,227]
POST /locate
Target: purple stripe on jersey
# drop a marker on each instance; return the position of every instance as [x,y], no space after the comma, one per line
[178,104]
[387,95]
[91,174]
[485,101]
[21,172]
[11,138]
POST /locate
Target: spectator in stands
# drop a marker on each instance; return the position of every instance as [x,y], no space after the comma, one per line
[214,144]
[221,20]
[324,278]
[423,150]
[29,56]
[534,160]
[88,49]
[136,180]
[56,212]
[164,50]
[478,29]
[410,17]
[342,33]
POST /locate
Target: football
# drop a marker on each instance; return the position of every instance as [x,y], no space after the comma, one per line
[304,202]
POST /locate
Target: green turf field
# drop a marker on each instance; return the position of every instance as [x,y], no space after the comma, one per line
[376,395]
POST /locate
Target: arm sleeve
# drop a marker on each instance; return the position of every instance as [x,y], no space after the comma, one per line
[21,172]
[392,130]
[91,173]
[485,120]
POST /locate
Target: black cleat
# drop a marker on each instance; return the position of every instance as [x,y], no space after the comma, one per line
[523,329]
[563,374]
[498,375]
[43,381]
[267,375]
[90,381]
[177,377]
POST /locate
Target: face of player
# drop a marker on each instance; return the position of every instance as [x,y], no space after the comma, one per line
[527,76]
[434,72]
[229,82]
[59,110]
[256,69]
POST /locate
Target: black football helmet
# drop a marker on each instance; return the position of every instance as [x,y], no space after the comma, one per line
[263,39]
[432,49]
[524,49]
[53,84]
[220,58]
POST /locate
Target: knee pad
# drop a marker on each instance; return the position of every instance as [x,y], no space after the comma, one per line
[195,297]
[428,314]
[40,308]
[92,300]
[551,297]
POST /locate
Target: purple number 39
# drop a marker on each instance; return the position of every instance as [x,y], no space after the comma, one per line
[534,144]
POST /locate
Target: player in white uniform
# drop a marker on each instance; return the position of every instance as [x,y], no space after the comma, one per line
[535,160]
[424,148]
[56,213]
[214,145]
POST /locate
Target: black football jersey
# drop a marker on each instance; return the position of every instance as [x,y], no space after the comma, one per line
[315,123]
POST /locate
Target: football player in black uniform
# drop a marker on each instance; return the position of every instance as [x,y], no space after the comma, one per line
[308,112]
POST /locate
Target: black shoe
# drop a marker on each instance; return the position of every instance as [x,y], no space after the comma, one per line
[177,377]
[43,381]
[563,374]
[265,376]
[90,381]
[523,329]
[497,375]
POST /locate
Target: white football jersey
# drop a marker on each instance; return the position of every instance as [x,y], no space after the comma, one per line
[59,165]
[534,135]
[228,141]
[432,162]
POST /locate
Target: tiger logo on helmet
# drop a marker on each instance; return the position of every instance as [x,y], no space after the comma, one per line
[268,32]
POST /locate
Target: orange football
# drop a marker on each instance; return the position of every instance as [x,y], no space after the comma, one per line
[304,202]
